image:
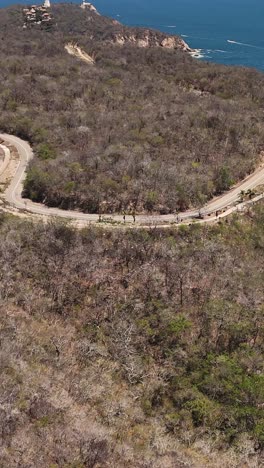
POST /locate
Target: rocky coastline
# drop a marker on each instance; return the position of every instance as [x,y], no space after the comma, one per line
[141,37]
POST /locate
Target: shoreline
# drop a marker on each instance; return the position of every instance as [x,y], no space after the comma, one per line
[196,53]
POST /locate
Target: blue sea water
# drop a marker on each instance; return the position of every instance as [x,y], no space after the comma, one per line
[208,25]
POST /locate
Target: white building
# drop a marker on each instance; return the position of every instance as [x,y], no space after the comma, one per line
[47,3]
[89,6]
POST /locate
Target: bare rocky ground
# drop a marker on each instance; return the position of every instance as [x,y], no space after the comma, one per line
[73,49]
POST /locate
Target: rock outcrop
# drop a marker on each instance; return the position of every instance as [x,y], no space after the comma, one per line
[149,38]
[175,43]
[140,37]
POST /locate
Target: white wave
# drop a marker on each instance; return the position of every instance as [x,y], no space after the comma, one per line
[197,53]
[184,35]
[170,26]
[244,44]
[220,50]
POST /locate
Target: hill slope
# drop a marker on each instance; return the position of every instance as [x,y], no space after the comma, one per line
[118,347]
[146,128]
[132,348]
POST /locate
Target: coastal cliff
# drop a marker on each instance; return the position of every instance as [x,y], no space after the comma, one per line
[142,37]
[149,38]
[88,21]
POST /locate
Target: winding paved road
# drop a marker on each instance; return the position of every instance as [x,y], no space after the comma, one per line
[227,202]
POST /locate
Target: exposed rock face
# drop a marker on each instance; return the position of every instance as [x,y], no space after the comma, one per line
[140,37]
[116,33]
[175,43]
[144,42]
[124,39]
[121,40]
[151,39]
[73,49]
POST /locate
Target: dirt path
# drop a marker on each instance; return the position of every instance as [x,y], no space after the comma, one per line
[12,197]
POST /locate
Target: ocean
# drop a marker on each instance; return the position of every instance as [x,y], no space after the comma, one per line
[224,31]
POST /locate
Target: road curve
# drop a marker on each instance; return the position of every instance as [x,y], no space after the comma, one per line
[6,159]
[227,202]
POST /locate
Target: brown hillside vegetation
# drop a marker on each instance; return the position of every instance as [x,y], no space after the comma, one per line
[145,129]
[139,348]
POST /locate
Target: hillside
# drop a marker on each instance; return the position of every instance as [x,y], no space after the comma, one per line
[132,348]
[146,128]
[123,345]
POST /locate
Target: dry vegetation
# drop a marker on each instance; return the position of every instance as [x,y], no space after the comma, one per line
[139,349]
[146,129]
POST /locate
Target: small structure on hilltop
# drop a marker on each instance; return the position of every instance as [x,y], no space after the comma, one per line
[86,5]
[37,15]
